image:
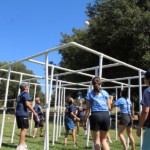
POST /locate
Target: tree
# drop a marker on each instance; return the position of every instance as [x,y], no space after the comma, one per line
[118,28]
[13,88]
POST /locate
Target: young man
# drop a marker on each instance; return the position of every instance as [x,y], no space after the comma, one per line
[39,111]
[145,114]
[22,113]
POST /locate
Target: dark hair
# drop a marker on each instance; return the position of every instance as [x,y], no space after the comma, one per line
[69,100]
[96,82]
[124,93]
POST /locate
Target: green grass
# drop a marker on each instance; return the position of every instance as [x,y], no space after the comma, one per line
[37,144]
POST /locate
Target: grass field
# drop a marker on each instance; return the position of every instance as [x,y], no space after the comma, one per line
[37,144]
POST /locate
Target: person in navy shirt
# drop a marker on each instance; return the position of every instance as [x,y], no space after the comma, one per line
[39,111]
[70,117]
[80,113]
[126,121]
[145,114]
[99,103]
[22,113]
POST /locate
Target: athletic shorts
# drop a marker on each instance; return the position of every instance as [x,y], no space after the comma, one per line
[100,121]
[22,122]
[81,118]
[39,124]
[126,119]
[69,125]
[146,141]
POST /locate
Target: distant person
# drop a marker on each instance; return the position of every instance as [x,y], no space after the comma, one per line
[39,111]
[126,121]
[70,117]
[145,114]
[80,114]
[22,113]
[99,103]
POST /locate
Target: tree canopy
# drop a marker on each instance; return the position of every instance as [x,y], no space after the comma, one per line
[118,28]
[13,88]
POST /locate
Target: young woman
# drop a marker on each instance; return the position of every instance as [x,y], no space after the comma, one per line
[70,117]
[99,103]
[145,113]
[126,121]
[80,114]
[40,124]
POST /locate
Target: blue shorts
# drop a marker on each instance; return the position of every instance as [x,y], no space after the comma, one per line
[146,141]
[69,124]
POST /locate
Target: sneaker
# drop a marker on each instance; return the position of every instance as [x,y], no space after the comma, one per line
[34,137]
[110,141]
[21,147]
[75,144]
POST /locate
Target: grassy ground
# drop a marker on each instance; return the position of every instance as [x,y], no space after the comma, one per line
[37,144]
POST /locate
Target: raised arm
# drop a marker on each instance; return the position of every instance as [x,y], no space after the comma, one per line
[110,103]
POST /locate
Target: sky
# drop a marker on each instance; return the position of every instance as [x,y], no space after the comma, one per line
[28,27]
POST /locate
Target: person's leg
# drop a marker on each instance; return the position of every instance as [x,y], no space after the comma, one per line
[22,136]
[121,136]
[66,137]
[103,139]
[109,138]
[42,131]
[96,139]
[74,136]
[78,126]
[35,132]
[130,135]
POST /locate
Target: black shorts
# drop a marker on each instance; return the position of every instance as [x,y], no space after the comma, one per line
[22,122]
[100,121]
[126,119]
[39,124]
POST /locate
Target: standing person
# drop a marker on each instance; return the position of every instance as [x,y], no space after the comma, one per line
[70,117]
[80,114]
[39,111]
[145,114]
[126,121]
[99,103]
[22,113]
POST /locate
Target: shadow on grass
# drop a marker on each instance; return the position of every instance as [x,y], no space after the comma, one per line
[8,145]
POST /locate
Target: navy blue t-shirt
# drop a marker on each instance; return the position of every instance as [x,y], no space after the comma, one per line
[39,111]
[146,102]
[21,109]
[80,111]
[69,109]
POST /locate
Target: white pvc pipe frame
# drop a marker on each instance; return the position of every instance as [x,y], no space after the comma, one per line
[46,77]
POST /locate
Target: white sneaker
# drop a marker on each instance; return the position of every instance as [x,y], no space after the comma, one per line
[22,147]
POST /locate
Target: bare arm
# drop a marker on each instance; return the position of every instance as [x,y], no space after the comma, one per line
[110,103]
[27,103]
[144,115]
[87,111]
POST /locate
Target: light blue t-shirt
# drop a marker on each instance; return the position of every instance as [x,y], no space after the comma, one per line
[98,102]
[124,104]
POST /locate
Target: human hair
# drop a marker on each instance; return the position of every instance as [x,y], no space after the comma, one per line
[124,93]
[69,100]
[96,82]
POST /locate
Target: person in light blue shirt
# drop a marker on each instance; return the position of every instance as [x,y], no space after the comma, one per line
[98,101]
[126,121]
[145,114]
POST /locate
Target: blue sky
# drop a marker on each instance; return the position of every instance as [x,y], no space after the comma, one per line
[28,27]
